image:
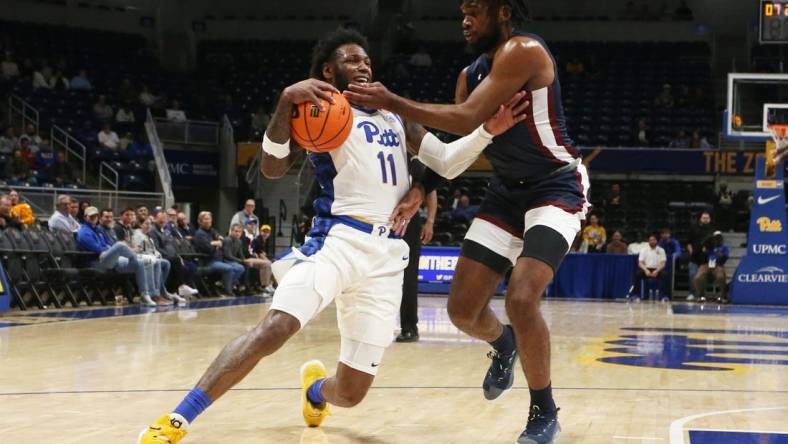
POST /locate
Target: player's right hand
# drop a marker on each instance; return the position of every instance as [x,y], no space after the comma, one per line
[508,115]
[310,90]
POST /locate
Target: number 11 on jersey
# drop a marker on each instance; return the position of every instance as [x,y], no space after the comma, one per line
[382,157]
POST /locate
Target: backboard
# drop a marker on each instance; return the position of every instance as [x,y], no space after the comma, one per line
[754,101]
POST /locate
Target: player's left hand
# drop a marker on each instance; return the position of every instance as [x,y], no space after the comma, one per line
[369,95]
[406,210]
[508,115]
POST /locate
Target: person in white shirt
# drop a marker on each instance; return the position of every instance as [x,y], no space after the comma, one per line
[651,264]
[108,139]
[9,69]
[62,219]
[124,115]
[175,113]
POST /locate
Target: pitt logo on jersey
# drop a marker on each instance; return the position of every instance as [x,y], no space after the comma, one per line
[387,138]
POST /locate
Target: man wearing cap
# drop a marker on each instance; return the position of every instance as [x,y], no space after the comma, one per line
[715,254]
[244,215]
[118,256]
[256,247]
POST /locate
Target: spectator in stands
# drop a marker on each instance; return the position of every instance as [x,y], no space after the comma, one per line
[699,236]
[257,246]
[680,141]
[124,229]
[724,211]
[683,12]
[421,58]
[575,67]
[126,93]
[464,213]
[17,170]
[80,81]
[32,133]
[107,224]
[45,157]
[41,77]
[234,252]
[260,120]
[62,219]
[7,220]
[242,216]
[183,228]
[81,207]
[8,141]
[172,216]
[146,250]
[21,211]
[59,82]
[616,244]
[665,98]
[207,241]
[182,272]
[26,150]
[698,141]
[643,134]
[124,114]
[142,212]
[118,256]
[614,198]
[651,264]
[62,171]
[671,246]
[715,254]
[147,98]
[595,235]
[107,138]
[102,111]
[9,70]
[175,113]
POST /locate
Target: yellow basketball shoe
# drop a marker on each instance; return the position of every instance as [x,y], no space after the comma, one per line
[168,429]
[311,371]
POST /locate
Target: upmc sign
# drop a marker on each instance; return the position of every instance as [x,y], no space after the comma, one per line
[761,276]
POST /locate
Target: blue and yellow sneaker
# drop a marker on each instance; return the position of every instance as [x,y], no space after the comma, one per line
[168,429]
[500,375]
[311,371]
[542,428]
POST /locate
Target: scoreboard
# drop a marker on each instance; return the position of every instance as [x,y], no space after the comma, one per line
[773,21]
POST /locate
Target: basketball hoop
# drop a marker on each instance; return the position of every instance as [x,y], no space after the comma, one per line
[779,134]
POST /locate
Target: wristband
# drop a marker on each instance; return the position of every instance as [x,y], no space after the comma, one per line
[278,150]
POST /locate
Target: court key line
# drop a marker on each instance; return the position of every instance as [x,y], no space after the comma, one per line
[676,431]
[275,389]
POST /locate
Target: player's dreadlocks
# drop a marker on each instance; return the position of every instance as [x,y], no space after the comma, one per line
[325,49]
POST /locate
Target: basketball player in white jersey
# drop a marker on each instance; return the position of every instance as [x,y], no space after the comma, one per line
[354,255]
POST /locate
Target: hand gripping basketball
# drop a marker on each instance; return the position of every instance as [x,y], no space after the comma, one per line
[322,127]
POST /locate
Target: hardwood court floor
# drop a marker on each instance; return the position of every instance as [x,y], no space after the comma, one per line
[101,380]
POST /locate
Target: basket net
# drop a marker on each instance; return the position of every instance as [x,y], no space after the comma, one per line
[779,134]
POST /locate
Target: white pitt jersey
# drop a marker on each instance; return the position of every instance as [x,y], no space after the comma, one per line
[367,175]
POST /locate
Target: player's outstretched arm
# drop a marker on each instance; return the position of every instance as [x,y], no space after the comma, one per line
[451,159]
[516,63]
[277,154]
[781,153]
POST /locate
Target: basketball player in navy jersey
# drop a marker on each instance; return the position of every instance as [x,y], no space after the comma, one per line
[533,207]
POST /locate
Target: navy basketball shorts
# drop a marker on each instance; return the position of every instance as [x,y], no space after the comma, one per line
[528,219]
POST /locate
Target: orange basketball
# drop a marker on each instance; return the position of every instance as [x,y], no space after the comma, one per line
[322,131]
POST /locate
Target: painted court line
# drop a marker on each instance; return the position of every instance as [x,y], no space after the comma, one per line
[639,438]
[676,431]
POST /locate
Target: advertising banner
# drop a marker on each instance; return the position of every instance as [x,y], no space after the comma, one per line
[192,169]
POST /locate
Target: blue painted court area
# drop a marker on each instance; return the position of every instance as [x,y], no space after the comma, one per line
[81,314]
[716,309]
[723,437]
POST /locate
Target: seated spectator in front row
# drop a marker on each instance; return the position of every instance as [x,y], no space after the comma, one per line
[118,256]
[234,252]
[183,272]
[464,213]
[616,244]
[124,229]
[671,246]
[146,251]
[142,213]
[651,264]
[108,139]
[243,216]
[7,220]
[258,247]
[62,219]
[207,241]
[21,211]
[715,254]
[183,228]
[595,235]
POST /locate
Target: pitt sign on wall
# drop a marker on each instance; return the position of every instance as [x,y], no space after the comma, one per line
[762,275]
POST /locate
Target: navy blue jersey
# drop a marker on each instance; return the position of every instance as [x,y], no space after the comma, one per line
[538,145]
